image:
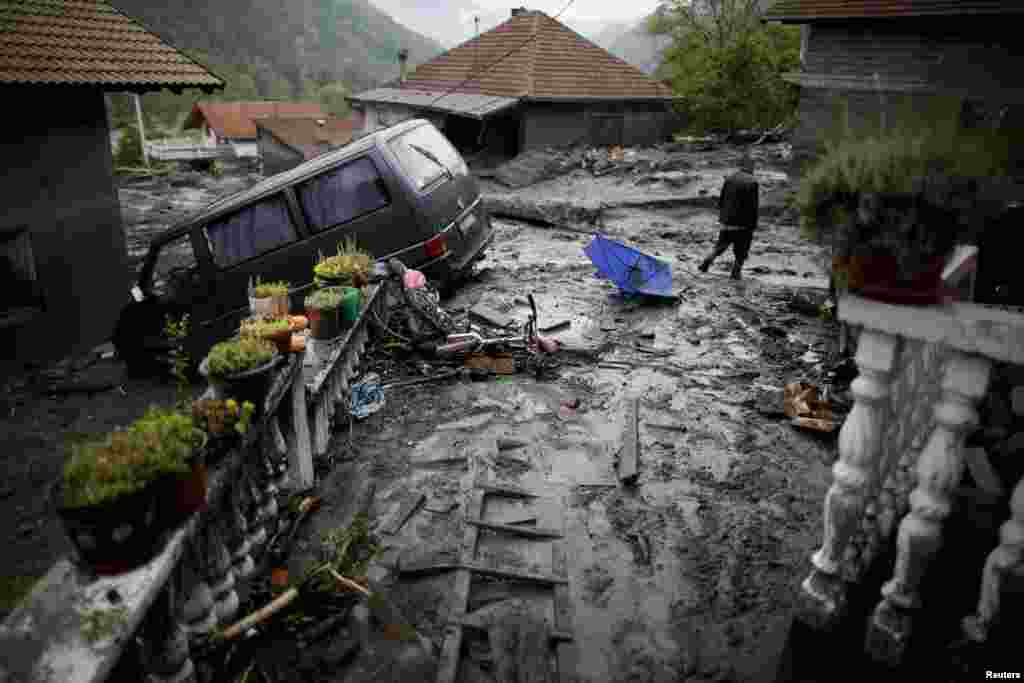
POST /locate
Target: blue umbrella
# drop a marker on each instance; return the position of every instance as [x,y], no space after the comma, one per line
[634,272]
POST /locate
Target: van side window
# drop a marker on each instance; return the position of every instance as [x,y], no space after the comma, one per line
[175,269]
[342,194]
[252,231]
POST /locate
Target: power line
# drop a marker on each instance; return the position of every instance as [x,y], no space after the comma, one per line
[495,62]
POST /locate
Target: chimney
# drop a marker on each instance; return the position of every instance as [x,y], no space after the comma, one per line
[516,11]
[403,60]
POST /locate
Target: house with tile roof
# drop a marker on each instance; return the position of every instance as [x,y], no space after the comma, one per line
[285,143]
[880,57]
[64,271]
[234,123]
[529,82]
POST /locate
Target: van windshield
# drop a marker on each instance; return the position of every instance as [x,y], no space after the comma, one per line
[426,156]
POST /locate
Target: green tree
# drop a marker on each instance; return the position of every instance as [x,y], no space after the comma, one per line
[129,148]
[727,65]
[332,98]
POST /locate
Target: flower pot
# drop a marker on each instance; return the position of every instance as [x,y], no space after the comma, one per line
[263,306]
[184,494]
[117,535]
[879,276]
[324,323]
[324,281]
[282,339]
[350,306]
[250,385]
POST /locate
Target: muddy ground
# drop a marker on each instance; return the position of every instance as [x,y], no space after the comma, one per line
[689,574]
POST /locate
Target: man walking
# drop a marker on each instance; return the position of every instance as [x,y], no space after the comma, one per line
[737,212]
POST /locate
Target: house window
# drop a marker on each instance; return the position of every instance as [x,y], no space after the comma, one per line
[343,194]
[253,231]
[19,282]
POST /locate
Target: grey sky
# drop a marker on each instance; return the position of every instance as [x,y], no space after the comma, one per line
[451,21]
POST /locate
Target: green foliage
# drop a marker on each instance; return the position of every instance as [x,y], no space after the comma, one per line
[13,589]
[177,330]
[157,444]
[351,550]
[323,299]
[728,66]
[238,355]
[129,148]
[332,98]
[98,624]
[263,290]
[216,417]
[264,327]
[349,260]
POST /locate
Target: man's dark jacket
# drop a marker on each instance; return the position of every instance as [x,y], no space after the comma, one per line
[737,205]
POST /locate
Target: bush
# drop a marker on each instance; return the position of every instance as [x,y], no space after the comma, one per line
[238,355]
[264,290]
[326,298]
[264,327]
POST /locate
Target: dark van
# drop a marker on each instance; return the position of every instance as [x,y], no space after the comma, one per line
[402,192]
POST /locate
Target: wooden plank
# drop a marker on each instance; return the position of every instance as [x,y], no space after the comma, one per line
[554,636]
[566,652]
[505,490]
[630,453]
[451,651]
[524,531]
[497,572]
[409,507]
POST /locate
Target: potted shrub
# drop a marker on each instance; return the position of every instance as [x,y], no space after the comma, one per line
[112,495]
[223,421]
[240,369]
[270,299]
[350,267]
[322,309]
[891,206]
[276,330]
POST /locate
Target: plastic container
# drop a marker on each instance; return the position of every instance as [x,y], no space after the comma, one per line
[350,300]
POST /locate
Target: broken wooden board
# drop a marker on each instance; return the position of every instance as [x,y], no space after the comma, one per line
[490,316]
[409,507]
[504,364]
[566,651]
[629,455]
[512,529]
[505,490]
[432,567]
[448,667]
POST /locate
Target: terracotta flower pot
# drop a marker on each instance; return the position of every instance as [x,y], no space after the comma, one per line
[879,277]
[282,339]
[184,494]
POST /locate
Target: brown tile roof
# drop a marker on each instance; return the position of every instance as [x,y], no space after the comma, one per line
[810,10]
[89,42]
[310,136]
[235,119]
[539,58]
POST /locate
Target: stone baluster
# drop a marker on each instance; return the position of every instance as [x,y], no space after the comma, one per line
[252,499]
[270,493]
[238,530]
[219,572]
[321,428]
[198,615]
[1006,561]
[164,643]
[939,469]
[853,475]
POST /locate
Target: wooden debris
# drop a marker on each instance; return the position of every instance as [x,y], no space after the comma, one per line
[673,428]
[517,517]
[561,324]
[429,567]
[512,529]
[507,444]
[260,615]
[407,510]
[505,490]
[504,364]
[814,424]
[448,667]
[629,455]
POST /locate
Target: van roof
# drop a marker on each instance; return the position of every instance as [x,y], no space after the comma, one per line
[276,182]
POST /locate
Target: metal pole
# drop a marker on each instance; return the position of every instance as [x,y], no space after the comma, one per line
[142,130]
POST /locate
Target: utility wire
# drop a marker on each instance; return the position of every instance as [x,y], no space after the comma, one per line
[495,62]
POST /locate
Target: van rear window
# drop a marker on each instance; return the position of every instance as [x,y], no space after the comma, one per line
[425,155]
[343,194]
[252,231]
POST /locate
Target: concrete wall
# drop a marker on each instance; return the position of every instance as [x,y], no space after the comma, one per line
[59,183]
[275,156]
[560,124]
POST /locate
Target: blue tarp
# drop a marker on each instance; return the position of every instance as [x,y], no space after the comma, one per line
[634,272]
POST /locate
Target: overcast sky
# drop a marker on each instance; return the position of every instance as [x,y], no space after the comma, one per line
[450,22]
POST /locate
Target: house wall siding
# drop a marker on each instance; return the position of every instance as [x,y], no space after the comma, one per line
[276,157]
[561,124]
[60,185]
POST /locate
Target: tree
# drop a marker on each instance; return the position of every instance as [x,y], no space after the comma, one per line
[332,98]
[726,64]
[129,148]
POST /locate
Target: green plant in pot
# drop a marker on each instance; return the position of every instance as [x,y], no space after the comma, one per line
[117,495]
[350,267]
[323,310]
[273,329]
[224,421]
[240,369]
[271,298]
[891,205]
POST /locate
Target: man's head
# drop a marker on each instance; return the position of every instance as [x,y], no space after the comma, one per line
[747,162]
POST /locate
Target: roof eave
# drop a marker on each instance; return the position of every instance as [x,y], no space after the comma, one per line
[604,98]
[811,18]
[357,100]
[139,88]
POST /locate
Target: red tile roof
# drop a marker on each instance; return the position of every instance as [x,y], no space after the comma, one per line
[235,119]
[89,42]
[810,10]
[539,58]
[312,136]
